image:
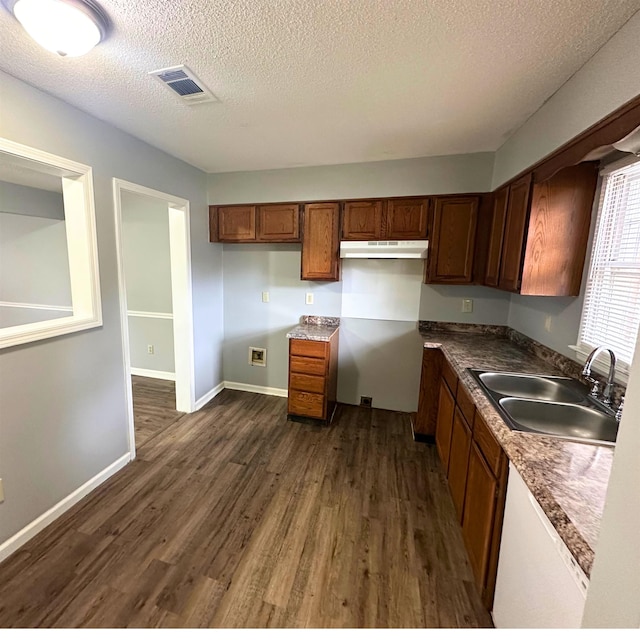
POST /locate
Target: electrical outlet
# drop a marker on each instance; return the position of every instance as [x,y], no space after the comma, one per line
[1,491]
[150,349]
[366,401]
[265,296]
[309,298]
[467,305]
[547,324]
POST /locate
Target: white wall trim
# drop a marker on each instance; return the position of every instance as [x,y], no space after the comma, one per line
[267,391]
[180,249]
[210,395]
[29,305]
[34,527]
[150,314]
[152,373]
[82,251]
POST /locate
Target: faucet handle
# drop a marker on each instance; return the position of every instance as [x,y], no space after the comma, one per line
[595,386]
[619,410]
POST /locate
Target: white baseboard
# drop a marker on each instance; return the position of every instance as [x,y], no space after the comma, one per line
[267,391]
[207,397]
[37,525]
[152,373]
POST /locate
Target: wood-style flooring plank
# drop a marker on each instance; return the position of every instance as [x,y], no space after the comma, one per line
[235,517]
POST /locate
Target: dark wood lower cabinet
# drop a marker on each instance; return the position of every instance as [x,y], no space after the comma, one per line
[313,378]
[459,461]
[444,425]
[477,522]
[476,468]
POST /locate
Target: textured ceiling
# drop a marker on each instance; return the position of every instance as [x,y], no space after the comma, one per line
[311,82]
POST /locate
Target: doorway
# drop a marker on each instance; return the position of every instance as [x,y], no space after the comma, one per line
[152,238]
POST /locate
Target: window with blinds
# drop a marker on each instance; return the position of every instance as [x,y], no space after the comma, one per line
[611,312]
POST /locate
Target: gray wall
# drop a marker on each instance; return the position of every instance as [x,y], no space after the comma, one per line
[147,268]
[34,263]
[249,270]
[29,201]
[62,401]
[606,82]
[414,176]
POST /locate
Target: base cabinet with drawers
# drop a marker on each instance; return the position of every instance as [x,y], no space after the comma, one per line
[313,378]
[476,468]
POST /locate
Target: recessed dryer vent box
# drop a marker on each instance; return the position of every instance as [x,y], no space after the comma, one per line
[257,357]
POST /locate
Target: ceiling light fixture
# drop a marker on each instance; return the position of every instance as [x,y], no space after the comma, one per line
[66,27]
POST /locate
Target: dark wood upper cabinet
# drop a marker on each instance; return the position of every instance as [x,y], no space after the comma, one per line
[235,224]
[558,232]
[546,232]
[321,242]
[452,245]
[406,219]
[494,249]
[514,230]
[279,223]
[255,223]
[362,220]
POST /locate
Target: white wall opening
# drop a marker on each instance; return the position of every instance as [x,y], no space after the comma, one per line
[181,296]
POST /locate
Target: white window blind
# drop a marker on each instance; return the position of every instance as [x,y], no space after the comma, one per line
[611,313]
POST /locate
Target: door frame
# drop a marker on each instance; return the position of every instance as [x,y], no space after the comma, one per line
[181,292]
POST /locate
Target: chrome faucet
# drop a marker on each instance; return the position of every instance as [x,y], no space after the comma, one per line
[605,397]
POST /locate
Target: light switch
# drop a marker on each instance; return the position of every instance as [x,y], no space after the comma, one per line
[547,324]
[265,296]
[467,305]
[309,298]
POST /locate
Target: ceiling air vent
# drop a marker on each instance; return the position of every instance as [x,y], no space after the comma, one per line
[182,81]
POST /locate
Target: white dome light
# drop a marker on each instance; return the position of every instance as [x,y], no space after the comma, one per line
[66,27]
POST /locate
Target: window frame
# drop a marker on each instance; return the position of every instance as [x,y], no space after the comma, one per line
[82,247]
[601,365]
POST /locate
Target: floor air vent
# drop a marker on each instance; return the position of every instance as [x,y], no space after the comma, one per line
[185,84]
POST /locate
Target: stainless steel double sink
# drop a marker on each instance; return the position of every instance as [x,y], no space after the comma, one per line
[550,405]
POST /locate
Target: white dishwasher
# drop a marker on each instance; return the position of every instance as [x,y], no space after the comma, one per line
[539,584]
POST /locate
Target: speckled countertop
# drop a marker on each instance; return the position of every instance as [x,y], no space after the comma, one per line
[315,328]
[568,479]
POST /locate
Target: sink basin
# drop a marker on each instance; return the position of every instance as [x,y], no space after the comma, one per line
[533,387]
[550,405]
[572,421]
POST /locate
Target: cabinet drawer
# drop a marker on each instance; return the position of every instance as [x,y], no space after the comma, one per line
[304,382]
[449,375]
[306,404]
[312,366]
[487,444]
[465,403]
[309,348]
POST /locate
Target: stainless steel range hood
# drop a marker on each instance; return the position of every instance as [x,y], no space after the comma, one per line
[384,249]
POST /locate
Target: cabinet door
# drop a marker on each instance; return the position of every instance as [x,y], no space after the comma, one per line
[453,240]
[444,424]
[459,460]
[427,416]
[362,220]
[559,232]
[236,224]
[515,234]
[320,242]
[279,223]
[479,515]
[406,219]
[494,251]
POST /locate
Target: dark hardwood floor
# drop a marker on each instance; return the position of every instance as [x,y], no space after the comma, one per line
[154,407]
[234,517]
